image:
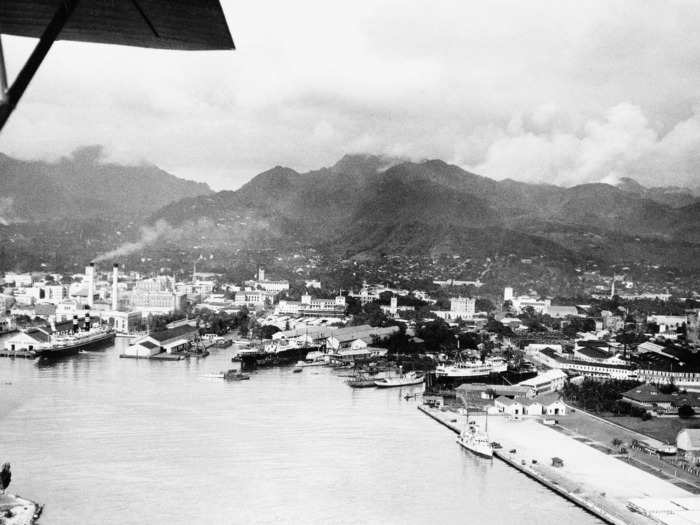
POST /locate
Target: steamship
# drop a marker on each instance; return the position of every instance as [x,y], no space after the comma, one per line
[279,353]
[494,370]
[91,336]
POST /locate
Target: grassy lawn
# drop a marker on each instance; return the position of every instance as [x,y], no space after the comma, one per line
[662,428]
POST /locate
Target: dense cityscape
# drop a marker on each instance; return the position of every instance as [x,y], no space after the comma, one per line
[386,263]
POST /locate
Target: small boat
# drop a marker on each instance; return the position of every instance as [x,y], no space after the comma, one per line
[361,381]
[299,367]
[412,378]
[220,375]
[235,375]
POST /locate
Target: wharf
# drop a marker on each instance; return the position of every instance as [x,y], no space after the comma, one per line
[18,511]
[164,356]
[599,483]
[24,354]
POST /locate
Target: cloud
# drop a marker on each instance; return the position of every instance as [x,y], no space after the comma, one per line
[622,144]
[571,89]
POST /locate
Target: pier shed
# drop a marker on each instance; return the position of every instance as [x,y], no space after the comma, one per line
[170,341]
[688,442]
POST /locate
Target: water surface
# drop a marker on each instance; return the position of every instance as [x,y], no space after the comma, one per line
[105,440]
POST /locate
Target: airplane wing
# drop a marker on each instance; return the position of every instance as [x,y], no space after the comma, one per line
[197,25]
[163,24]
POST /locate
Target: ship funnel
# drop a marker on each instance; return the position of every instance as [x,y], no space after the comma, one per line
[75,323]
[86,325]
[115,287]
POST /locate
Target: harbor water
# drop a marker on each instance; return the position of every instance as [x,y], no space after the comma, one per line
[99,439]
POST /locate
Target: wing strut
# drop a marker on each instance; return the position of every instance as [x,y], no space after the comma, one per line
[9,97]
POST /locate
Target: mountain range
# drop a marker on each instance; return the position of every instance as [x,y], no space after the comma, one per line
[362,206]
[83,187]
[370,204]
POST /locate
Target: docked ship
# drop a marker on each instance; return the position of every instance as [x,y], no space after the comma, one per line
[361,380]
[493,370]
[412,378]
[61,339]
[279,352]
[94,338]
[475,440]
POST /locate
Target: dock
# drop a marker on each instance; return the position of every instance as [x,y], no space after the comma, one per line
[599,483]
[164,356]
[22,354]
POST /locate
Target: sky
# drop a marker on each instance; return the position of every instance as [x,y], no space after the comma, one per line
[563,92]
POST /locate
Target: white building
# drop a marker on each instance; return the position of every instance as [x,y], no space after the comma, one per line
[538,305]
[156,302]
[20,279]
[668,323]
[507,294]
[30,339]
[546,382]
[123,322]
[461,308]
[542,405]
[170,341]
[254,298]
[587,369]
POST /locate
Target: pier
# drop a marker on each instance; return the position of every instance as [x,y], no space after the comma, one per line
[597,482]
[23,354]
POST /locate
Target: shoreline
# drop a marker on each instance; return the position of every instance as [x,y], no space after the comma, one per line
[587,488]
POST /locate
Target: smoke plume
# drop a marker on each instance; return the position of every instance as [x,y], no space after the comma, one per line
[149,235]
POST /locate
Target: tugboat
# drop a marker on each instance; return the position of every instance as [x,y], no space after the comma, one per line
[475,440]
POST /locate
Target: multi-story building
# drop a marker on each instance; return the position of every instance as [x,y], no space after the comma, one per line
[161,283]
[254,298]
[156,302]
[588,369]
[461,308]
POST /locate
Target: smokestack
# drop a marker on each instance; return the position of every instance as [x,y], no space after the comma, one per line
[90,277]
[75,323]
[86,325]
[115,287]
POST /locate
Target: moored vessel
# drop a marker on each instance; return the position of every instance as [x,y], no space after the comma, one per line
[361,380]
[235,375]
[411,378]
[92,339]
[475,440]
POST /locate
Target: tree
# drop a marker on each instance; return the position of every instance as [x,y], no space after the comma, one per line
[267,331]
[686,411]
